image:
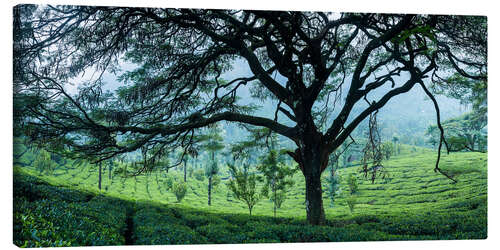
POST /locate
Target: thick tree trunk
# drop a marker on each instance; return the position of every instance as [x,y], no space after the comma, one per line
[210,190]
[314,200]
[313,159]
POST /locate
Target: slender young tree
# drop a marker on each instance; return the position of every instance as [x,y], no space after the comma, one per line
[213,144]
[99,182]
[278,177]
[243,185]
[43,161]
[110,169]
[330,63]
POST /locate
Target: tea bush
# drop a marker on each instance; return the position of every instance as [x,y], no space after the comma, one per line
[48,216]
[159,227]
[180,190]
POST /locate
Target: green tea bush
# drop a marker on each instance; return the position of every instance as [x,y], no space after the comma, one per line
[351,202]
[194,221]
[222,233]
[259,230]
[35,189]
[416,205]
[159,227]
[166,234]
[169,182]
[150,215]
[180,190]
[352,181]
[199,174]
[46,223]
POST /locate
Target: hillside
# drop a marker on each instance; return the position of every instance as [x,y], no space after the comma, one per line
[413,203]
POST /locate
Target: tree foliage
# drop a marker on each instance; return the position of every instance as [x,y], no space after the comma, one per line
[278,178]
[465,132]
[243,185]
[43,162]
[179,188]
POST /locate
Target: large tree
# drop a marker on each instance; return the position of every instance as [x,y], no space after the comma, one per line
[330,62]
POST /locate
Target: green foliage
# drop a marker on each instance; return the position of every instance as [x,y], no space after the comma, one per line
[387,149]
[179,189]
[351,202]
[199,174]
[169,182]
[333,186]
[52,220]
[43,162]
[160,227]
[197,220]
[465,132]
[221,233]
[278,178]
[190,171]
[466,90]
[352,182]
[417,205]
[215,181]
[212,169]
[243,185]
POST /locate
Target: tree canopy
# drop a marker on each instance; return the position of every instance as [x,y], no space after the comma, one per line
[331,63]
[465,132]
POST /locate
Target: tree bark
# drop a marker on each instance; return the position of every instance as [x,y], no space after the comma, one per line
[312,156]
[313,159]
[314,200]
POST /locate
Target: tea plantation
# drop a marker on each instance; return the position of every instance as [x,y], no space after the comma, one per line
[65,208]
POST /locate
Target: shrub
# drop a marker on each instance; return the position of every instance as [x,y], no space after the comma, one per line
[163,234]
[194,220]
[159,227]
[180,190]
[215,181]
[190,171]
[351,202]
[222,233]
[352,181]
[169,182]
[199,174]
[50,223]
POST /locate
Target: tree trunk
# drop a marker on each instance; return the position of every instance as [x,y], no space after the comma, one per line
[312,161]
[210,190]
[314,200]
[274,204]
[185,171]
[274,193]
[110,168]
[100,175]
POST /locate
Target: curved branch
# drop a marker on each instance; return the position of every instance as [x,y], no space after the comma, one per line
[202,122]
[441,138]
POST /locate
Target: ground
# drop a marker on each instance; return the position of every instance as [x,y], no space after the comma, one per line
[413,203]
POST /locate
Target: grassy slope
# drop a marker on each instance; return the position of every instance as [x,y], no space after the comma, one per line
[415,201]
